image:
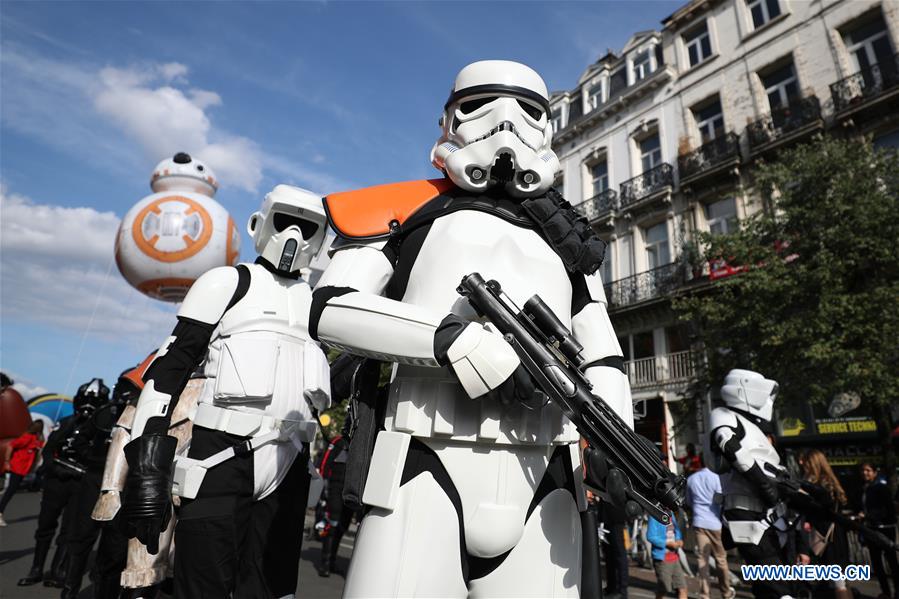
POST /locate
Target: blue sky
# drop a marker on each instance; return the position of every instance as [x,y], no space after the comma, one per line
[328,96]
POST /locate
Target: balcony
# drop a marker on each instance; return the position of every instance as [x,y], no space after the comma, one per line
[644,286]
[618,100]
[785,124]
[653,182]
[710,158]
[656,371]
[599,206]
[866,88]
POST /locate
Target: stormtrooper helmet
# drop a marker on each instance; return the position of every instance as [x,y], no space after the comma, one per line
[496,130]
[182,172]
[289,228]
[749,391]
[90,396]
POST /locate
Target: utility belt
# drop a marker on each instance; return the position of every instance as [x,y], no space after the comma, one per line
[735,501]
[190,472]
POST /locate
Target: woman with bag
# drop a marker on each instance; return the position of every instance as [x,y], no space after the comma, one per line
[828,541]
[24,452]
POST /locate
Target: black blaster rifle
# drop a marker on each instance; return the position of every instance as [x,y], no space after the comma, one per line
[551,355]
[799,496]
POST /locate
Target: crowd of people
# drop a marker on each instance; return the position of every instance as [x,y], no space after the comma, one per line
[818,540]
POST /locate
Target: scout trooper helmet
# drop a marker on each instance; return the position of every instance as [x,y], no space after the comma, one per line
[496,130]
[749,391]
[289,228]
[182,172]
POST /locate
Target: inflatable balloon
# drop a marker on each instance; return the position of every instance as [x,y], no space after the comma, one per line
[171,237]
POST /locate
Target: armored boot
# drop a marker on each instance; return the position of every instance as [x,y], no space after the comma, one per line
[36,574]
[151,592]
[107,588]
[324,563]
[56,577]
[334,545]
[70,591]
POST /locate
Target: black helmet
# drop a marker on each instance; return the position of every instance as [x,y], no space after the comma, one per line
[90,396]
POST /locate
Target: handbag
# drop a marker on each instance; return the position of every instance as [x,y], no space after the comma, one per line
[818,542]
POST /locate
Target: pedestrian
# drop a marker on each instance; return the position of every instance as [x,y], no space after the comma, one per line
[692,461]
[337,514]
[828,540]
[879,513]
[24,452]
[666,540]
[702,487]
[617,574]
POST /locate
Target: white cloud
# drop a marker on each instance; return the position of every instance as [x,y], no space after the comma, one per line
[56,268]
[27,388]
[148,107]
[84,110]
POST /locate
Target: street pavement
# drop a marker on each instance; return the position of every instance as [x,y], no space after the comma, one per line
[17,543]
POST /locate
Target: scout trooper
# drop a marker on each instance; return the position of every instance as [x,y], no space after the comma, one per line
[240,481]
[472,484]
[754,514]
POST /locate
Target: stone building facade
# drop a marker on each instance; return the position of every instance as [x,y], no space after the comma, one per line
[658,141]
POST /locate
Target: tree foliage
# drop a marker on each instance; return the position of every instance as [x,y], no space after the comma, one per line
[817,305]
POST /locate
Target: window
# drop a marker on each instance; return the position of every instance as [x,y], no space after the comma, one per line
[656,240]
[599,173]
[606,272]
[763,11]
[722,216]
[699,44]
[556,119]
[709,121]
[781,86]
[595,95]
[869,45]
[642,66]
[644,345]
[650,152]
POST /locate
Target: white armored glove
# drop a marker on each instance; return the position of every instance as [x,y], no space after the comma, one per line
[479,356]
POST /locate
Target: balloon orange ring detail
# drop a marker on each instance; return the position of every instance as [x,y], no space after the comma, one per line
[148,246]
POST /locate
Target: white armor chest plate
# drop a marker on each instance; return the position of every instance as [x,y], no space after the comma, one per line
[429,402]
[255,359]
[260,361]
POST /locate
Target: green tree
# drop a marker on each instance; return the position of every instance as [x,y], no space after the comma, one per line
[817,305]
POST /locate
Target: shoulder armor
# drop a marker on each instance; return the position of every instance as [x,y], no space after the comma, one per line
[368,213]
[722,417]
[210,295]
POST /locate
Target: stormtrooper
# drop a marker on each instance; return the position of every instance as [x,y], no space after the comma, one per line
[474,486]
[242,485]
[761,525]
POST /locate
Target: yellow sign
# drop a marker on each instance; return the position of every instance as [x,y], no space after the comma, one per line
[325,419]
[836,427]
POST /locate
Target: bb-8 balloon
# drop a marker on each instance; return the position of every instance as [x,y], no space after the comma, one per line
[171,237]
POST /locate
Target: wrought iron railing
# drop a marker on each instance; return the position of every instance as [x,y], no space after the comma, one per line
[721,149]
[648,183]
[659,370]
[866,84]
[645,285]
[784,120]
[599,205]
